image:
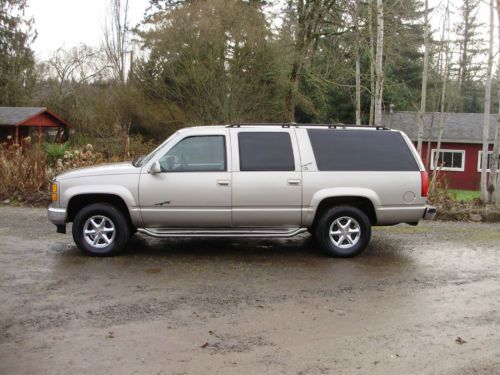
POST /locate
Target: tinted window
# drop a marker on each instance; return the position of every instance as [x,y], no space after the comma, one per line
[266,151]
[361,150]
[202,153]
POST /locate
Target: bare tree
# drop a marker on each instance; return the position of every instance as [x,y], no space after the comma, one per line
[116,41]
[446,76]
[494,181]
[487,110]
[379,70]
[78,65]
[423,97]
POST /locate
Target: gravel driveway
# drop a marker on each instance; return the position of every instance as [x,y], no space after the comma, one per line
[420,300]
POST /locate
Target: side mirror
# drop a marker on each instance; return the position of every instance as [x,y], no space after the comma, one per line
[155,168]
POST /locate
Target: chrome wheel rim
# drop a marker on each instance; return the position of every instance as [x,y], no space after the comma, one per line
[345,232]
[99,231]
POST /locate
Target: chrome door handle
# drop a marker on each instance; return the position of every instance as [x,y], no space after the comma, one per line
[294,182]
[223,182]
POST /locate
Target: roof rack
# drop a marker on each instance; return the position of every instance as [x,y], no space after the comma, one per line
[290,124]
[283,125]
[335,126]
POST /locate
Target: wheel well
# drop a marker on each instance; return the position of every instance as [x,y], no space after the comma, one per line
[78,202]
[364,204]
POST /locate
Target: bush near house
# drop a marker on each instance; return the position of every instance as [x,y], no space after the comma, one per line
[25,173]
[24,176]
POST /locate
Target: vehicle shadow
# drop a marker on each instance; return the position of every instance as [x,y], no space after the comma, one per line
[301,251]
[257,263]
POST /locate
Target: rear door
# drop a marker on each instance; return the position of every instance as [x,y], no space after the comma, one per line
[266,179]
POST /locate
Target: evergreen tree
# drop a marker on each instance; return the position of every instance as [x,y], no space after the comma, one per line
[16,57]
[213,60]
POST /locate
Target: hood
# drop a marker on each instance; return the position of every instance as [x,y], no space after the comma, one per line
[100,170]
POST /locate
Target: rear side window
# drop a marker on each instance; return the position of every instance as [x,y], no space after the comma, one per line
[265,151]
[361,150]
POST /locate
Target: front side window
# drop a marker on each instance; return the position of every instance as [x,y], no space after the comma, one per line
[196,154]
[449,160]
[265,151]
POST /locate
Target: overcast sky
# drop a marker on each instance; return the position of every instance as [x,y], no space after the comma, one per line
[68,23]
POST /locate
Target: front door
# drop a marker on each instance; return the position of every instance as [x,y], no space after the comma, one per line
[267,180]
[193,188]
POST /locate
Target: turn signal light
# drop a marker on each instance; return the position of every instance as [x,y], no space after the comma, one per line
[53,189]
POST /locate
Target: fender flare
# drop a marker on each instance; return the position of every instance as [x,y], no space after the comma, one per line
[321,195]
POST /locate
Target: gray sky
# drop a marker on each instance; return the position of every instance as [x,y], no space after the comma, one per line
[69,23]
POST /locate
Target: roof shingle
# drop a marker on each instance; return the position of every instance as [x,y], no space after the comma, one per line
[15,115]
[458,127]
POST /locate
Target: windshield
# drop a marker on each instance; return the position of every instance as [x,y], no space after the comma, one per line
[140,161]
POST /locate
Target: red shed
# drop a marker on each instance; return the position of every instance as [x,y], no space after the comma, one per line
[461,143]
[40,123]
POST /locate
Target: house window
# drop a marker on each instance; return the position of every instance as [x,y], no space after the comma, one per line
[480,161]
[449,160]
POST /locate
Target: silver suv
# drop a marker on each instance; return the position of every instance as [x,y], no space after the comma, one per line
[334,181]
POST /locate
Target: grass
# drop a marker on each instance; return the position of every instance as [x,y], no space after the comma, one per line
[464,195]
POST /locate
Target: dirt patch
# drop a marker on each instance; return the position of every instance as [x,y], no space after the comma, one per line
[250,306]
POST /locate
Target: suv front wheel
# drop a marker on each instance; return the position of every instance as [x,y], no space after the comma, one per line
[100,230]
[343,231]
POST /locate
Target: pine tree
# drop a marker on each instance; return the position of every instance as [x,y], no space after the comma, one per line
[16,57]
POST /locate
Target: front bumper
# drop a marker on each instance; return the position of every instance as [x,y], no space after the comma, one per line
[57,215]
[429,213]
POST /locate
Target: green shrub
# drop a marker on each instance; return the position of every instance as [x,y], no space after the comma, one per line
[55,151]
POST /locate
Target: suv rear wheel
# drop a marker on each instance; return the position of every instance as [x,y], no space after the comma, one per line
[343,231]
[100,230]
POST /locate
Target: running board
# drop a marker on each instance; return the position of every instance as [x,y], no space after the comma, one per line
[218,232]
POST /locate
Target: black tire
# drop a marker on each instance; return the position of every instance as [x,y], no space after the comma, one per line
[345,247]
[113,221]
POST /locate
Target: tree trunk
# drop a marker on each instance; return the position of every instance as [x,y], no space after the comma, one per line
[379,84]
[444,68]
[442,118]
[372,62]
[300,49]
[494,181]
[423,97]
[358,64]
[487,109]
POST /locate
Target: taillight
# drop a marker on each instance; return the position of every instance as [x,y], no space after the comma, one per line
[425,183]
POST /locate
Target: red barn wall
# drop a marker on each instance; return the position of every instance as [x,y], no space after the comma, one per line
[470,178]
